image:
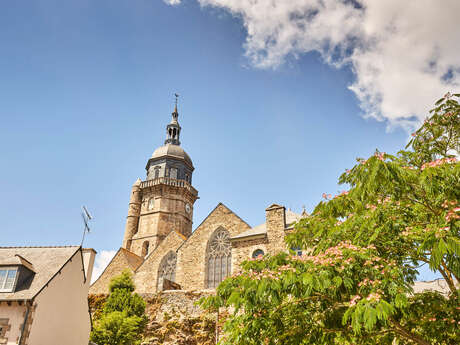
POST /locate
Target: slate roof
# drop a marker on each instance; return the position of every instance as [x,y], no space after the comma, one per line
[261,229]
[172,150]
[44,261]
[134,261]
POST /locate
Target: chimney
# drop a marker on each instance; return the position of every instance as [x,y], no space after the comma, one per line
[275,221]
[89,254]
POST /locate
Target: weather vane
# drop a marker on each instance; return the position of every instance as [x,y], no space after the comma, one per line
[86,218]
[177,96]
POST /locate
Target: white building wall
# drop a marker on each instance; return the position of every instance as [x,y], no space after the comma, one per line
[61,315]
[15,315]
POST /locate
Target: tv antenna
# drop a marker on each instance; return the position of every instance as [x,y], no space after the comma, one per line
[86,218]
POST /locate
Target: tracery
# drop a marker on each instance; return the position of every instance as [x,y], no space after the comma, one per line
[218,258]
[167,269]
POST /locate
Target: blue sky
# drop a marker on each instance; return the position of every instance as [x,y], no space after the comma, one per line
[87,90]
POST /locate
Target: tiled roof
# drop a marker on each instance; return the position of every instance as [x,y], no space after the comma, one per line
[45,261]
[261,229]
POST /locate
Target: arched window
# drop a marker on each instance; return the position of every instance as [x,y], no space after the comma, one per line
[173,173]
[257,253]
[218,258]
[157,172]
[145,248]
[167,269]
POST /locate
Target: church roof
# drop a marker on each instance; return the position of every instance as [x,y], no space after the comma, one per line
[171,150]
[261,229]
[45,262]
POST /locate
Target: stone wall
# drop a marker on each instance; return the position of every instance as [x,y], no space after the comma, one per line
[243,249]
[146,277]
[122,260]
[192,254]
[173,318]
[163,210]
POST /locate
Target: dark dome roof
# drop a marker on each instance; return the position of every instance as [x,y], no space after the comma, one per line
[174,151]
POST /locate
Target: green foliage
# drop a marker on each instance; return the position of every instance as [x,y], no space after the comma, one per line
[123,281]
[362,251]
[117,328]
[123,318]
[124,301]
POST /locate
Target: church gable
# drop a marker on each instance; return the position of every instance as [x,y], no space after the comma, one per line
[146,276]
[191,259]
[123,259]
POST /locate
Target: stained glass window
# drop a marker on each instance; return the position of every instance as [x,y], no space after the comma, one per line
[167,269]
[218,258]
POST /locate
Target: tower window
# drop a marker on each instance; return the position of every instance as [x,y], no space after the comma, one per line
[157,172]
[173,173]
[145,248]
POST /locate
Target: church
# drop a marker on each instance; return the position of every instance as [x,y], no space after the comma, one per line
[159,246]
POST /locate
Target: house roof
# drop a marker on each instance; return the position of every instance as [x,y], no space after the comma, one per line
[261,229]
[45,262]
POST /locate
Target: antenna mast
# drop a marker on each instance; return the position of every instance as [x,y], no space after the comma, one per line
[86,218]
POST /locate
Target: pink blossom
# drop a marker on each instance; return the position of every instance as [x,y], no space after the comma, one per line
[354,300]
[380,155]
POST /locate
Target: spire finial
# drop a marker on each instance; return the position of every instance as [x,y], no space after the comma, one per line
[175,105]
[173,129]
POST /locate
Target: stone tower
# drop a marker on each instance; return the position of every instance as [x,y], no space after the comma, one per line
[164,201]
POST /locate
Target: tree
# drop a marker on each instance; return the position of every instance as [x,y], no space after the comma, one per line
[123,317]
[362,251]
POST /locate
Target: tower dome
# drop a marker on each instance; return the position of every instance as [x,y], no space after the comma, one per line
[170,160]
[172,151]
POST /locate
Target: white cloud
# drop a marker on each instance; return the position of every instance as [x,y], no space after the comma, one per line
[404,54]
[172,2]
[102,260]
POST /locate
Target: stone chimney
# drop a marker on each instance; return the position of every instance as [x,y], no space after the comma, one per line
[275,220]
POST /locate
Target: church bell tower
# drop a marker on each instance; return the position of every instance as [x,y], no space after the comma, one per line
[164,201]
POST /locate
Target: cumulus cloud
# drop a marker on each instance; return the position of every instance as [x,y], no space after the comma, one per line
[404,54]
[172,2]
[102,260]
